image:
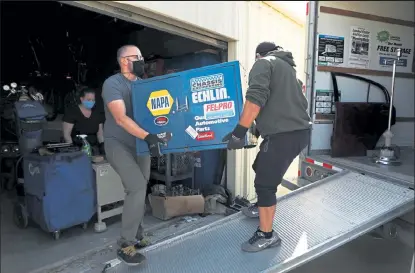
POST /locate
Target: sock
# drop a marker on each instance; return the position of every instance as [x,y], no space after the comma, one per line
[267,235]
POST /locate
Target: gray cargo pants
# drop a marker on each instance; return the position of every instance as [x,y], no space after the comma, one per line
[134,172]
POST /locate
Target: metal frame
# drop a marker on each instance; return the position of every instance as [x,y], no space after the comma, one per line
[310,53]
[311,31]
[393,177]
[167,177]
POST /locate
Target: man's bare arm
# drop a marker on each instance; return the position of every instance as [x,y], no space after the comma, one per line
[117,109]
[249,114]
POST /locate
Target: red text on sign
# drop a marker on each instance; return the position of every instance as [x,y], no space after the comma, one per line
[213,107]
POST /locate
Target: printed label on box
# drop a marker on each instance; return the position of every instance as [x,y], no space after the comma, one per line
[192,132]
[161,121]
[207,82]
[205,136]
[208,88]
[224,109]
[210,95]
[160,103]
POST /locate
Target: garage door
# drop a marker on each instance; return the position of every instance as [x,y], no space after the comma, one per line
[142,17]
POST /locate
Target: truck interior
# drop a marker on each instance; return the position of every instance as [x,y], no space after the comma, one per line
[341,194]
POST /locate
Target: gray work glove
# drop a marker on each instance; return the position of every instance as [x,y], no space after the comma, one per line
[254,130]
[236,138]
[253,137]
[154,141]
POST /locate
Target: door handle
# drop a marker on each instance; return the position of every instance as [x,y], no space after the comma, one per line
[182,108]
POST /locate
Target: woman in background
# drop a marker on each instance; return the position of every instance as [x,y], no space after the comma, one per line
[84,119]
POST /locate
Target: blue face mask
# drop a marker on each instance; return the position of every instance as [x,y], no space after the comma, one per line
[88,104]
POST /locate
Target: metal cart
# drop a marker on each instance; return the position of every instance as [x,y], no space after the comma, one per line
[173,167]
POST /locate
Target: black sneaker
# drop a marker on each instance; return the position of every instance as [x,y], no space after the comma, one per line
[258,242]
[251,211]
[129,255]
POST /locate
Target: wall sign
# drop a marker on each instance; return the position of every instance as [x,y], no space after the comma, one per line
[330,50]
[359,51]
[324,108]
[386,45]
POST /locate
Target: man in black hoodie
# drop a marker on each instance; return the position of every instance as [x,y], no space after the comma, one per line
[274,99]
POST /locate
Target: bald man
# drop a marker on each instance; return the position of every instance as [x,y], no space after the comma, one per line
[120,133]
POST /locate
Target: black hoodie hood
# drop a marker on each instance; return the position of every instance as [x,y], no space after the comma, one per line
[283,105]
[284,55]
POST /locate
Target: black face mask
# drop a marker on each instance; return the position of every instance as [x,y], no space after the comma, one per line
[138,68]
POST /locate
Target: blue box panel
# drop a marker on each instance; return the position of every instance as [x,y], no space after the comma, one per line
[199,107]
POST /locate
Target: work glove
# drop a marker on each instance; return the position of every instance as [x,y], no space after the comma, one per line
[155,140]
[253,137]
[255,131]
[236,138]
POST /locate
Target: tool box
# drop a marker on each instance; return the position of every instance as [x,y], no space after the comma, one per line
[59,190]
[198,106]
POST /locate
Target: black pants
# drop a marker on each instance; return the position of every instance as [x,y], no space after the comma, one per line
[275,156]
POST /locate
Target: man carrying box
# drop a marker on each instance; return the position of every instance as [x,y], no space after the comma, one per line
[120,133]
[274,99]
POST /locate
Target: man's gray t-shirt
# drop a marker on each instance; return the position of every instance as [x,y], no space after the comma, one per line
[117,87]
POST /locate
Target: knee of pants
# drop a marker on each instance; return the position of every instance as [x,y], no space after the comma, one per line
[266,195]
[132,188]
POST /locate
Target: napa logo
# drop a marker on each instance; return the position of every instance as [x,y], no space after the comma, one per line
[160,103]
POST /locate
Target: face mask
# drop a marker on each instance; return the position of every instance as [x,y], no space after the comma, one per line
[138,68]
[88,104]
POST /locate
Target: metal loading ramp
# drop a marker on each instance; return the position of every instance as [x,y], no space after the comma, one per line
[310,221]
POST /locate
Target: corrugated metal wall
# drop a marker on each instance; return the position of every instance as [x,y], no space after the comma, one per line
[248,22]
[216,17]
[267,24]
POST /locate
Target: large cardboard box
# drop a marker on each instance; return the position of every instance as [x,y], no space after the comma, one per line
[168,207]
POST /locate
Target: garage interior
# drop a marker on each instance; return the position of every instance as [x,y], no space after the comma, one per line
[43,45]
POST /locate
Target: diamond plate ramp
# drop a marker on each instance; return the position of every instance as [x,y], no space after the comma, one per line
[310,221]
